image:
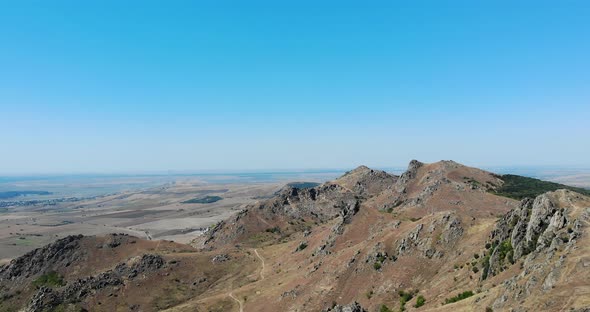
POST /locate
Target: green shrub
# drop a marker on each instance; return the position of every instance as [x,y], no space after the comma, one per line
[377,266]
[302,246]
[275,229]
[404,297]
[420,301]
[459,297]
[475,269]
[505,251]
[384,308]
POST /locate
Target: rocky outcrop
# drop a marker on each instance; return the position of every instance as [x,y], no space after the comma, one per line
[59,254]
[409,174]
[341,198]
[530,228]
[353,307]
[442,233]
[366,182]
[148,263]
[220,258]
[540,234]
[46,299]
[75,291]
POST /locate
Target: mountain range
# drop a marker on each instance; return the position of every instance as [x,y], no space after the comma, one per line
[438,237]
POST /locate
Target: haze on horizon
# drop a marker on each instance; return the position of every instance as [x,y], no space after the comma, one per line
[141,86]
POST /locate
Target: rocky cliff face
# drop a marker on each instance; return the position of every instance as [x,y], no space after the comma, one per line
[537,225]
[542,236]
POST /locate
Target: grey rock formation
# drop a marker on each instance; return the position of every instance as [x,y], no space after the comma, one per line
[531,227]
[341,198]
[421,239]
[353,307]
[61,253]
[539,234]
[220,258]
[408,175]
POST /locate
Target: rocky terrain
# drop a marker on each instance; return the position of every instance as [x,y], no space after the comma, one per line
[439,237]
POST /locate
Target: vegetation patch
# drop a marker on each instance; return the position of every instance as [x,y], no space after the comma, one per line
[519,187]
[379,261]
[301,246]
[273,230]
[384,308]
[50,279]
[203,200]
[505,251]
[404,297]
[420,301]
[459,297]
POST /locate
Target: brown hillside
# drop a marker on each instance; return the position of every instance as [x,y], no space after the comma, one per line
[367,237]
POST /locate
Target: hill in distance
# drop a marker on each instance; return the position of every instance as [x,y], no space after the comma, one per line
[439,237]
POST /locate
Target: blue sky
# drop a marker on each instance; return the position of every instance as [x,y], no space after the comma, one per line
[130,86]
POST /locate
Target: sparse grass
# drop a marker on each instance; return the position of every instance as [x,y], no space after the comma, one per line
[459,297]
[171,296]
[23,241]
[50,279]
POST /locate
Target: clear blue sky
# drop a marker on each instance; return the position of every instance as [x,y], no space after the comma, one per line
[109,86]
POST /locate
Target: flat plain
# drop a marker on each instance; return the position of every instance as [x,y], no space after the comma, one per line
[156,208]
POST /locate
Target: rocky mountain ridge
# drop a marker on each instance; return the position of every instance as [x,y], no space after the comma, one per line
[436,238]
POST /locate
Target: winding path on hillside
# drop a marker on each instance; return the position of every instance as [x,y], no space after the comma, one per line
[261,259]
[231,294]
[238,301]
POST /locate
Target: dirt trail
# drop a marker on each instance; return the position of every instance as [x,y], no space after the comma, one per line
[238,301]
[230,294]
[261,259]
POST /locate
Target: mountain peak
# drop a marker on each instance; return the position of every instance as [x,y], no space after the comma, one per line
[364,180]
